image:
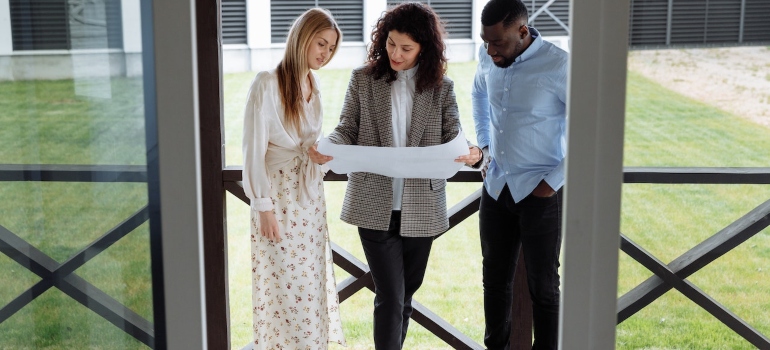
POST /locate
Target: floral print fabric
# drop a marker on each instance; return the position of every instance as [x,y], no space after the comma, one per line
[294,292]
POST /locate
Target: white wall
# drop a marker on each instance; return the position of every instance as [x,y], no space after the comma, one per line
[237,58]
[461,50]
[241,58]
[258,23]
[560,41]
[476,26]
[372,11]
[260,54]
[132,37]
[65,64]
[60,64]
[6,39]
[256,55]
[253,56]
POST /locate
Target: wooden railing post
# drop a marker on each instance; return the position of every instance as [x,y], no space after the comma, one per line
[212,161]
[521,309]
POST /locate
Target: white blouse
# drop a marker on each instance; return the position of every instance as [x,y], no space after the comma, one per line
[268,145]
[401,102]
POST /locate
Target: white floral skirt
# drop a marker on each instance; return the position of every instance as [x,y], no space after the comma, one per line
[294,293]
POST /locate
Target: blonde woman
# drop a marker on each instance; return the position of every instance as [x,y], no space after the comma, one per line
[294,292]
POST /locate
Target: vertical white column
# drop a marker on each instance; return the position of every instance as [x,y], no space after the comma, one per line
[258,24]
[372,11]
[132,26]
[596,108]
[6,35]
[258,35]
[173,66]
[132,37]
[478,6]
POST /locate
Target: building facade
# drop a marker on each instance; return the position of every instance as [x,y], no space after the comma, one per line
[54,39]
[253,32]
[71,39]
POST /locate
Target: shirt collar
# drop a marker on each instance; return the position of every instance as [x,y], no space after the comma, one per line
[409,73]
[537,42]
[314,81]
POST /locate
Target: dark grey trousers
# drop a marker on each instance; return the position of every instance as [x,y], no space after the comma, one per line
[398,266]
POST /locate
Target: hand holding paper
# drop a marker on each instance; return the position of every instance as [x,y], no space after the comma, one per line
[431,162]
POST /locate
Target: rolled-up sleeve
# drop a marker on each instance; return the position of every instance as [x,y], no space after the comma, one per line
[256,183]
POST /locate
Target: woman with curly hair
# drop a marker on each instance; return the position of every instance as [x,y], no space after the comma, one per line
[401,97]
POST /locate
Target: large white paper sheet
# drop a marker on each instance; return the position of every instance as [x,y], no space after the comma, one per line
[431,162]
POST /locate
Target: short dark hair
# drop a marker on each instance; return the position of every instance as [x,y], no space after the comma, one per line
[507,11]
[422,25]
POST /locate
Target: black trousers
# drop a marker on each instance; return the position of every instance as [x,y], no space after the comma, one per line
[398,266]
[534,224]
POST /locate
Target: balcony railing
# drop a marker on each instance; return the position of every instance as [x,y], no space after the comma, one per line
[667,276]
[62,275]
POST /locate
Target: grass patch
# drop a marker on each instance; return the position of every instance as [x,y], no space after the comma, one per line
[667,129]
[46,122]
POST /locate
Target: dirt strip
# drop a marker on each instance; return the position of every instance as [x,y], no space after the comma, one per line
[735,79]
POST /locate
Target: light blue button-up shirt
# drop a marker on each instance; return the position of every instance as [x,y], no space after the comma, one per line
[521,114]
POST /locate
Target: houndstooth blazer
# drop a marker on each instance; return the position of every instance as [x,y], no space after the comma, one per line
[366,121]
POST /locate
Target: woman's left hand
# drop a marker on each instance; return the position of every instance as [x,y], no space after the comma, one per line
[316,157]
[472,158]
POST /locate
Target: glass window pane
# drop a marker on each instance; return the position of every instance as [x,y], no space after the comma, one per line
[74,227]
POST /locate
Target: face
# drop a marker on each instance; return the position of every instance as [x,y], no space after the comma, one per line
[321,47]
[402,51]
[505,44]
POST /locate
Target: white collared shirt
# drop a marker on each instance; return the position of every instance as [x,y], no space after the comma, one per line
[269,144]
[401,101]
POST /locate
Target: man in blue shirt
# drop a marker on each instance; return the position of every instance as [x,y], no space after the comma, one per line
[519,108]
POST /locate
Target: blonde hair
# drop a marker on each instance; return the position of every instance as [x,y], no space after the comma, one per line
[294,63]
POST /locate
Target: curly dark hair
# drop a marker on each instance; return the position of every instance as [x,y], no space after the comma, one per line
[422,25]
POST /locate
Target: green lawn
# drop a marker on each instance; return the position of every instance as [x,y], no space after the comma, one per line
[666,129]
[46,122]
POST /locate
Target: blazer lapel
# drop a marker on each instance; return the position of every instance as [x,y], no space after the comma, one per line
[423,105]
[383,111]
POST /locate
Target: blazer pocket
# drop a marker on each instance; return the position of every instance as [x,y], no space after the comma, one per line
[437,184]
